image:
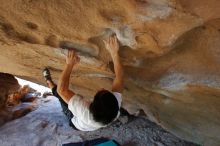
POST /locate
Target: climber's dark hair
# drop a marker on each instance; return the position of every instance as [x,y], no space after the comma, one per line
[104,107]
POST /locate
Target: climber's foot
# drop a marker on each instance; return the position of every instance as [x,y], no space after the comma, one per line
[48,79]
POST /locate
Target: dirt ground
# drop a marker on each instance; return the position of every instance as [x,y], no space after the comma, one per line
[47,126]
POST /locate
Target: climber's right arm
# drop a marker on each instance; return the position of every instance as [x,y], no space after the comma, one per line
[113,47]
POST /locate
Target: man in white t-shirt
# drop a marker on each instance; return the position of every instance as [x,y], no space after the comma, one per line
[105,107]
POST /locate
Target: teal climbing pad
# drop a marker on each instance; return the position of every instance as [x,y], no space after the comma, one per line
[108,143]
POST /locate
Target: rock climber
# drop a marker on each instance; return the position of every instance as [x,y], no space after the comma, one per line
[104,109]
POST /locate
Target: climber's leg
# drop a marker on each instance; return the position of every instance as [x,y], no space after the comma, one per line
[53,87]
[63,104]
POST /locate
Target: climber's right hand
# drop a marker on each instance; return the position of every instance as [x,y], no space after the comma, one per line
[72,58]
[112,45]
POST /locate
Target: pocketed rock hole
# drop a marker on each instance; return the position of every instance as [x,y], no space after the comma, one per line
[32,25]
[86,50]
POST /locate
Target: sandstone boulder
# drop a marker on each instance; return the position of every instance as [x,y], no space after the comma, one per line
[169,50]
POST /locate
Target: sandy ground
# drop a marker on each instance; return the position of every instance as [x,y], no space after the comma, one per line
[47,126]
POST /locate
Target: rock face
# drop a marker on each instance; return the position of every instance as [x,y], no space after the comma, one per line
[169,49]
[8,85]
[15,101]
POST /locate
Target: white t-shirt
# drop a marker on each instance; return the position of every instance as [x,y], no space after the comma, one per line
[83,119]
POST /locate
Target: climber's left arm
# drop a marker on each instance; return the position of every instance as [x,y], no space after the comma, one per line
[63,84]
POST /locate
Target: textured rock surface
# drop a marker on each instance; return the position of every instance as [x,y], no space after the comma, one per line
[11,93]
[169,48]
[8,85]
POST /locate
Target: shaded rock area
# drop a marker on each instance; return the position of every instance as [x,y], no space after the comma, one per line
[8,85]
[16,101]
[169,50]
[47,126]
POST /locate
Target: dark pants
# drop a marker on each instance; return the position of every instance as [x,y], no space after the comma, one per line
[64,106]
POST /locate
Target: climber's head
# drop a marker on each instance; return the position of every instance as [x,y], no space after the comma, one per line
[104,107]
